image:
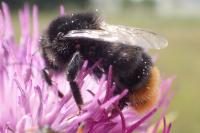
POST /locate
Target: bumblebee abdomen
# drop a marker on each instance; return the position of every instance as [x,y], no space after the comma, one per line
[145,97]
[132,68]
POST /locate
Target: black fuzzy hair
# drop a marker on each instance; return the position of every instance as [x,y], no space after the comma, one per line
[64,24]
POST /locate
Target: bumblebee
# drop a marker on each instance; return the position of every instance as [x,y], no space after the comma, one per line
[71,39]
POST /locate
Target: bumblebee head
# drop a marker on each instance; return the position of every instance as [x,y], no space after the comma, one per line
[77,21]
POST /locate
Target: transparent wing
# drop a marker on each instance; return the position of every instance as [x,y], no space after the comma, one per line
[122,34]
[99,35]
[136,36]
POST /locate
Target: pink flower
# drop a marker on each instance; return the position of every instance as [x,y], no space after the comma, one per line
[28,104]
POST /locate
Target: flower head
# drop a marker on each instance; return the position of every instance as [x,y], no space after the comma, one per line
[28,104]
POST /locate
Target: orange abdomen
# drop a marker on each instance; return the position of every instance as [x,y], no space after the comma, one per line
[145,98]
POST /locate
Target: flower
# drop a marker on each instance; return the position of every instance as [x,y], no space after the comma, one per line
[28,104]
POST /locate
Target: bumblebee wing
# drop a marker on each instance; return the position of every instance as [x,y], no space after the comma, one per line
[99,35]
[121,34]
[137,36]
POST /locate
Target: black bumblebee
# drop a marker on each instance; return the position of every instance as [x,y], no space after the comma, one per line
[71,39]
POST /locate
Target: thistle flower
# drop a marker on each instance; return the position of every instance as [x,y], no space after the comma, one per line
[28,104]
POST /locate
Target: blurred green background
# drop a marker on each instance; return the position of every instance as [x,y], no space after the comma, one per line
[177,20]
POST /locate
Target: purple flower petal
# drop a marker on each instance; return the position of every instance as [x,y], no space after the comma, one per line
[62,10]
[133,127]
[9,34]
[164,127]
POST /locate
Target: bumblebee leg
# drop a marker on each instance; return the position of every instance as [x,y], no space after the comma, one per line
[118,90]
[98,72]
[72,69]
[123,102]
[47,78]
[45,74]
